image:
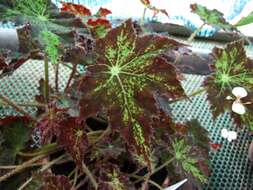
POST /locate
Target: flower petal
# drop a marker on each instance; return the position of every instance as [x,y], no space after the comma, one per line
[238,108]
[232,135]
[239,92]
[224,133]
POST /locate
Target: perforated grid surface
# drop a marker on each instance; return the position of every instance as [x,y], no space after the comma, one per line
[230,166]
[23,84]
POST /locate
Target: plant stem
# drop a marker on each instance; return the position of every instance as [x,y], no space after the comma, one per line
[156,185]
[140,178]
[90,176]
[10,167]
[21,167]
[145,185]
[47,148]
[17,108]
[143,16]
[75,178]
[72,172]
[70,67]
[57,77]
[193,35]
[200,91]
[81,183]
[45,167]
[31,104]
[46,71]
[101,136]
[26,104]
[71,77]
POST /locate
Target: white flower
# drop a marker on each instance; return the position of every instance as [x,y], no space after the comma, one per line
[237,106]
[239,92]
[229,135]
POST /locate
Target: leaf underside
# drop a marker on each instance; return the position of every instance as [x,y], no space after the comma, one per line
[127,76]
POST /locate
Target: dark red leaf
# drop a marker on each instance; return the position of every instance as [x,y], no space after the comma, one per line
[99,22]
[102,12]
[124,81]
[49,126]
[73,138]
[99,27]
[145,2]
[59,182]
[75,9]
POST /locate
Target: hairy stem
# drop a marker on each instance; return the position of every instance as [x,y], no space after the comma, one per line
[73,72]
[57,77]
[21,167]
[45,167]
[143,16]
[90,175]
[145,185]
[140,178]
[10,167]
[156,184]
[200,91]
[75,178]
[25,104]
[45,149]
[46,70]
[17,107]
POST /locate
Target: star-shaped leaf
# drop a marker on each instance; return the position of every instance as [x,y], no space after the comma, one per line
[231,68]
[212,17]
[125,80]
[111,178]
[73,138]
[187,162]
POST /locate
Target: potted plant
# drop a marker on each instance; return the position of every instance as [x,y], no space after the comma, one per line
[108,128]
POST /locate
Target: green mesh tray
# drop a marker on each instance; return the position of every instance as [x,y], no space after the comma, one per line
[230,167]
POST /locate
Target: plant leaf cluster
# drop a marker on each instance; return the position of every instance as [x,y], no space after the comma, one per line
[110,127]
[97,23]
[231,68]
